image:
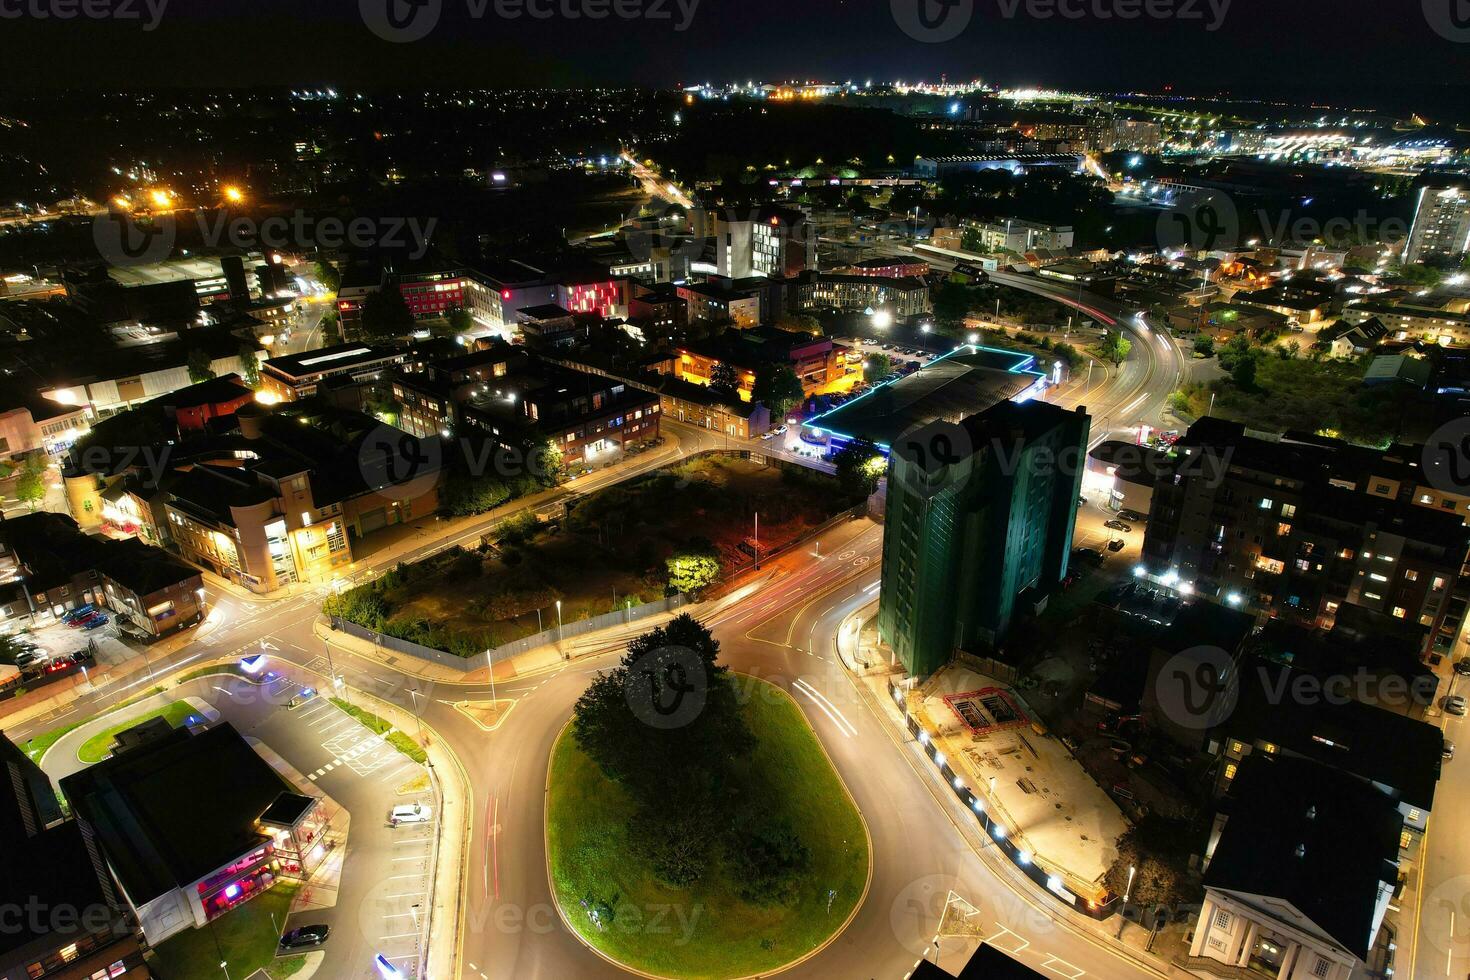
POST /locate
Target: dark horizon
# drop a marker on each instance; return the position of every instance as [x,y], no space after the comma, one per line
[1340,54]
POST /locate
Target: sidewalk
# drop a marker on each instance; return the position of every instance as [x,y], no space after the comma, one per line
[319,891]
[871,684]
[417,539]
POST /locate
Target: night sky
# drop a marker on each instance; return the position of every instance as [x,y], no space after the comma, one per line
[1342,50]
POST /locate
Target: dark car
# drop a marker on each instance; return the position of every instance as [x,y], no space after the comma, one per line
[1116,544]
[1130,515]
[1462,666]
[305,937]
[1117,526]
[1090,555]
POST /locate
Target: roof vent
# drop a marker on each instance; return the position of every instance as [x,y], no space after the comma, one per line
[1312,812]
[1301,850]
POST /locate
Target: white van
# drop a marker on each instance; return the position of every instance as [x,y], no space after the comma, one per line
[409,813]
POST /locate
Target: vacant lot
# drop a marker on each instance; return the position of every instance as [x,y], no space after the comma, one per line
[608,553]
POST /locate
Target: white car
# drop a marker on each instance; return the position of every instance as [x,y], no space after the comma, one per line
[409,813]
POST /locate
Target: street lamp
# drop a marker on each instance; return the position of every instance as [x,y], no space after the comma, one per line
[757,540]
[558,620]
[1123,913]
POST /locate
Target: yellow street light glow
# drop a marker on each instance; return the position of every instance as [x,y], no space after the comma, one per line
[234,195]
[160,198]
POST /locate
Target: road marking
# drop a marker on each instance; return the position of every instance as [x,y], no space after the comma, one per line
[1025,943]
[1071,972]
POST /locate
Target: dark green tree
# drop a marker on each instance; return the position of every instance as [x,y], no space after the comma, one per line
[460,319]
[1244,372]
[385,314]
[860,465]
[328,276]
[876,367]
[30,486]
[249,366]
[724,380]
[768,861]
[778,388]
[1115,347]
[199,366]
[13,647]
[665,724]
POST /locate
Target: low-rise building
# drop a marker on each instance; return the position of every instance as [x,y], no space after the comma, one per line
[701,406]
[295,376]
[902,298]
[1303,864]
[65,920]
[192,826]
[62,568]
[1405,321]
[817,361]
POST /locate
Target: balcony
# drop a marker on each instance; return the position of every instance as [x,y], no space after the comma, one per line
[1203,965]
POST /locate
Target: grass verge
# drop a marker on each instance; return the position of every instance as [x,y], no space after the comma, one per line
[707,931]
[95,749]
[247,936]
[36,747]
[378,726]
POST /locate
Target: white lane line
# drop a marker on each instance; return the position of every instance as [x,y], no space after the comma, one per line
[827,708]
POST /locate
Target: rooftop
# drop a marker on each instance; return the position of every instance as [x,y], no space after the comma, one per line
[954,387]
[337,358]
[174,811]
[1302,833]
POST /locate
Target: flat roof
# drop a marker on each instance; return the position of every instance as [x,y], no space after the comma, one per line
[962,383]
[329,359]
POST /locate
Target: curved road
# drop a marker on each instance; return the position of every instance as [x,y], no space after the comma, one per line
[925,846]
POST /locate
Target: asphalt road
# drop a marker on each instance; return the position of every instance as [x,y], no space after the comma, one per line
[924,846]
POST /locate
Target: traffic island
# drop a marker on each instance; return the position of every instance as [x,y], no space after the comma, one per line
[607,893]
[486,714]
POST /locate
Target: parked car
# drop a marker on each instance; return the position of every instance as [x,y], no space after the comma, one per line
[94,624]
[303,937]
[1462,666]
[1115,545]
[83,621]
[1454,704]
[1117,526]
[79,612]
[1449,750]
[1089,555]
[1130,515]
[409,813]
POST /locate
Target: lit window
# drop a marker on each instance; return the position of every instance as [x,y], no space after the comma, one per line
[1267,503]
[1410,575]
[1230,770]
[1437,584]
[1400,612]
[1378,578]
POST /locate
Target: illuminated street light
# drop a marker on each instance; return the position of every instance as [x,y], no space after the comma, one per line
[234,195]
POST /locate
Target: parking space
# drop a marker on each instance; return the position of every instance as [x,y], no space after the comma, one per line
[388,875]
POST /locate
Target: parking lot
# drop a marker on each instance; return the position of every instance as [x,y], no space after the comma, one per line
[384,895]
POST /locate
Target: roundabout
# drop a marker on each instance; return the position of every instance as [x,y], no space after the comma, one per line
[610,898]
